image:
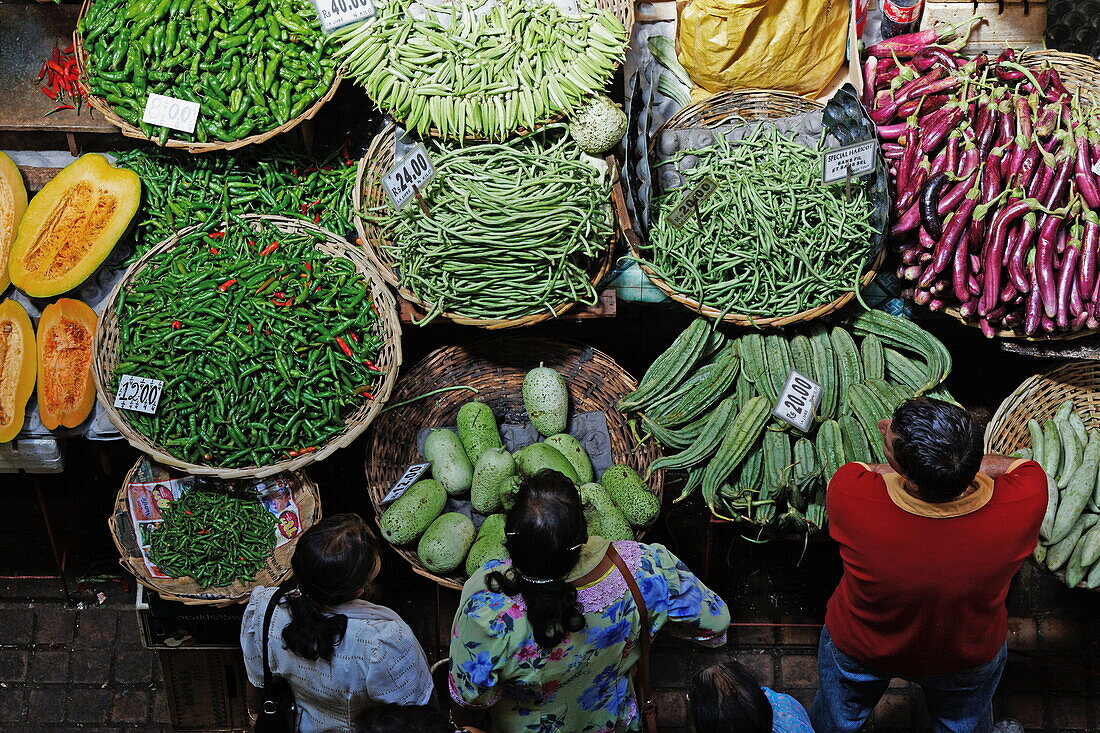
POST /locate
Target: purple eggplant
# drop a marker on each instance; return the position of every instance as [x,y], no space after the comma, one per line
[929,203]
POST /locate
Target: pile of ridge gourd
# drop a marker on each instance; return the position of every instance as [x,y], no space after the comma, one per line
[709,398]
[473,460]
[1069,538]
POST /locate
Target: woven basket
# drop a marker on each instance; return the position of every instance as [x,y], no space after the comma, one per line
[368,193]
[389,358]
[754,104]
[1038,398]
[496,367]
[1081,75]
[192,147]
[185,590]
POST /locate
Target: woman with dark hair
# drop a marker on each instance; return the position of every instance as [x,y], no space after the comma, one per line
[339,652]
[726,698]
[547,640]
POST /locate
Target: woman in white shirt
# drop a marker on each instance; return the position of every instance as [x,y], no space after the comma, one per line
[340,653]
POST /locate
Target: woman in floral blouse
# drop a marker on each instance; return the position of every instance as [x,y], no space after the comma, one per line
[548,641]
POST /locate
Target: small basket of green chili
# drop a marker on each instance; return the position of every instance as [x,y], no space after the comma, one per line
[255,69]
[772,246]
[276,341]
[224,535]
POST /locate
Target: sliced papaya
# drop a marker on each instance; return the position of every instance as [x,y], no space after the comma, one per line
[66,393]
[71,226]
[13,202]
[17,367]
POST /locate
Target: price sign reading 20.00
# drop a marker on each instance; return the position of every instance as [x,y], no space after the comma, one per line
[408,175]
[798,400]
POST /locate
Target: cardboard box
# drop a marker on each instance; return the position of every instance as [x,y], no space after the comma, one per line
[172,625]
[1008,24]
[205,689]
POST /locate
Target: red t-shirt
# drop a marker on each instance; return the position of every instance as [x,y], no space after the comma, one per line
[924,584]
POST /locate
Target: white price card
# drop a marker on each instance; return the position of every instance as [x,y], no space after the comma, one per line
[1096,168]
[860,158]
[691,201]
[408,175]
[335,14]
[179,114]
[798,401]
[407,479]
[138,394]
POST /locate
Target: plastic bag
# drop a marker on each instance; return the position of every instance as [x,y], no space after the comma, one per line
[792,45]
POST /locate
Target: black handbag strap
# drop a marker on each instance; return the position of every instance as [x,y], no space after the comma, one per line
[278,594]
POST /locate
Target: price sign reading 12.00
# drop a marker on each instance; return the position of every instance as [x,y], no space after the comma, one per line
[798,401]
[408,175]
[138,394]
[335,14]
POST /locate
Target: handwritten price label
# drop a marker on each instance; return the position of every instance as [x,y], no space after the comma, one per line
[138,394]
[691,201]
[179,114]
[335,14]
[408,175]
[860,157]
[412,473]
[798,401]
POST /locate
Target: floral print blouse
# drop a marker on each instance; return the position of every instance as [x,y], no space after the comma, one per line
[582,685]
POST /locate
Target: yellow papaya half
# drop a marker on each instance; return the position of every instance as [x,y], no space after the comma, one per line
[71,226]
[66,392]
[17,367]
[13,202]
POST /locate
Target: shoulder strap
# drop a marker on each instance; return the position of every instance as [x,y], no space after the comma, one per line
[645,680]
[279,593]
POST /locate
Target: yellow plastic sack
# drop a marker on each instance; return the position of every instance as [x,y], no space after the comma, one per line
[794,45]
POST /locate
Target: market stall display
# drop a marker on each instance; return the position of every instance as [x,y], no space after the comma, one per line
[1054,418]
[254,71]
[460,69]
[276,342]
[509,234]
[997,208]
[180,189]
[13,202]
[204,541]
[446,388]
[783,247]
[709,398]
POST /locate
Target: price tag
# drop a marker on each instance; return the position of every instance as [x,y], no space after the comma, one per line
[691,201]
[335,14]
[408,175]
[860,157]
[798,400]
[138,394]
[409,478]
[1096,168]
[179,114]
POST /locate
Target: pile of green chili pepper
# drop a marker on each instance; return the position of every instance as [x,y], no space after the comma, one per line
[251,65]
[263,342]
[772,240]
[213,534]
[180,189]
[511,229]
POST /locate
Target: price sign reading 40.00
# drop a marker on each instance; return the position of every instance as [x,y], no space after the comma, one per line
[138,394]
[408,175]
[798,401]
[335,14]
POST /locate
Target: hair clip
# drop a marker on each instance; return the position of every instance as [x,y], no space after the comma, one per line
[536,581]
[511,534]
[576,547]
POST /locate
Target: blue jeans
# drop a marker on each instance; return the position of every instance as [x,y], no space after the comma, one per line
[848,690]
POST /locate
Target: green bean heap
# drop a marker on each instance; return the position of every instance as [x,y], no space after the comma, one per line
[772,240]
[180,189]
[462,71]
[215,536]
[511,228]
[263,342]
[251,66]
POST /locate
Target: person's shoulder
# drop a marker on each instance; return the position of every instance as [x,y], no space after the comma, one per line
[853,479]
[1023,479]
[788,715]
[258,601]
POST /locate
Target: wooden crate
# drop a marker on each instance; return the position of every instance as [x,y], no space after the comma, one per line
[1009,24]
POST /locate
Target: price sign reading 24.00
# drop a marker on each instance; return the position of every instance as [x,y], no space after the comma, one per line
[408,175]
[335,14]
[798,401]
[138,394]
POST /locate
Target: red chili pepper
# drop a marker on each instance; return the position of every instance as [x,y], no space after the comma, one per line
[51,93]
[55,66]
[308,266]
[186,512]
[344,347]
[372,366]
[203,531]
[269,249]
[353,336]
[317,218]
[213,250]
[58,108]
[68,49]
[366,394]
[252,243]
[177,325]
[42,71]
[216,235]
[282,303]
[250,329]
[226,285]
[302,451]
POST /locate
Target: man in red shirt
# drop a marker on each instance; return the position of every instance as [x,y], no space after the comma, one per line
[930,542]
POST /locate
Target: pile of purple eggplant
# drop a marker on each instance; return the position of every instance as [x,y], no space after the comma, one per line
[996,171]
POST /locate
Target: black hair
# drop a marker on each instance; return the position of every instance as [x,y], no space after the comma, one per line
[333,562]
[726,698]
[937,446]
[392,718]
[542,534]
